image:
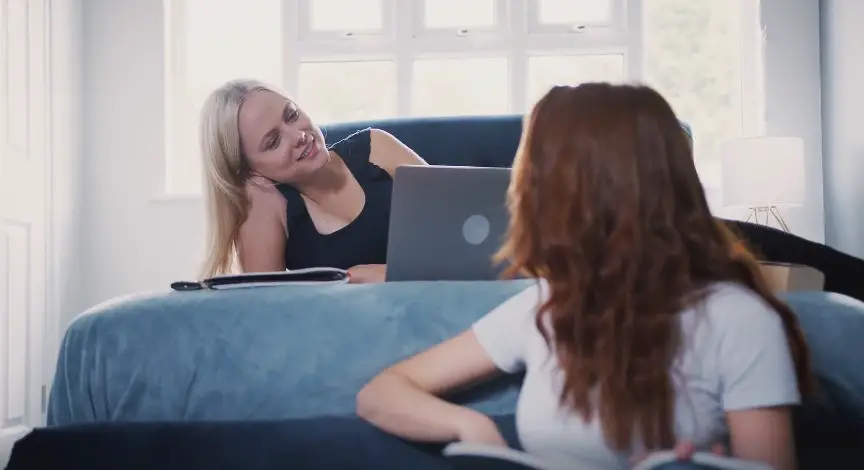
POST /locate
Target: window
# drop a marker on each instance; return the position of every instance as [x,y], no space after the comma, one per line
[347,60]
[544,72]
[339,15]
[457,14]
[342,91]
[566,15]
[476,85]
[695,56]
[210,42]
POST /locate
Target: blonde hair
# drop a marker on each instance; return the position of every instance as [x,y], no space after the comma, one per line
[225,172]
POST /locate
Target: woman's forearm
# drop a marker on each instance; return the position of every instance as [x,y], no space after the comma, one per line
[368,273]
[392,403]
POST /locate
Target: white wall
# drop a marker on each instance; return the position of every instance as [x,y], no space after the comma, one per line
[793,98]
[67,263]
[843,106]
[135,241]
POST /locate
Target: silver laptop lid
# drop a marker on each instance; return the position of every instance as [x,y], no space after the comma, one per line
[446,222]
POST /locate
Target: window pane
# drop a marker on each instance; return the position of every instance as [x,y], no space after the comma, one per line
[348,91]
[224,40]
[575,11]
[346,15]
[460,87]
[692,56]
[545,72]
[459,13]
[229,39]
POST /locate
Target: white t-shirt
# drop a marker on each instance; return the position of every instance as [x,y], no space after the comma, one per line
[734,356]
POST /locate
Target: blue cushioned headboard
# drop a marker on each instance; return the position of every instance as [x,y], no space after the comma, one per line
[462,141]
[488,141]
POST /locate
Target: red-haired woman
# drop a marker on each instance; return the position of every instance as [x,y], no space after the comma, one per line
[646,326]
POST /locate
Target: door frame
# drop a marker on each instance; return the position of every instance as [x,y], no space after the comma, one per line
[48,317]
[52,300]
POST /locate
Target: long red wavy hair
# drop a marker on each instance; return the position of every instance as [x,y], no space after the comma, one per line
[607,207]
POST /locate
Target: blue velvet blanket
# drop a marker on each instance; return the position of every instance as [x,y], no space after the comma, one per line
[259,353]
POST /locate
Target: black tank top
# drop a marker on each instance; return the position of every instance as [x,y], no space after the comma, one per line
[362,241]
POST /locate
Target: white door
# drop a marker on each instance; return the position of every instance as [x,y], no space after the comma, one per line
[24,146]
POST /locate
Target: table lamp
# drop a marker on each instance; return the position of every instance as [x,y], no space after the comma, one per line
[762,173]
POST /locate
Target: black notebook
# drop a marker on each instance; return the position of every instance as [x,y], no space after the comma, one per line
[309,276]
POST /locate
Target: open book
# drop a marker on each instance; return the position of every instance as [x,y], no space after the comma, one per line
[484,457]
[308,276]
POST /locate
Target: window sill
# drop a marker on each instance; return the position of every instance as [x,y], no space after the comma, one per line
[166,197]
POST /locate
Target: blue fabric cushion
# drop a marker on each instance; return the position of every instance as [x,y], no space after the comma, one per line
[265,353]
[833,326]
[487,141]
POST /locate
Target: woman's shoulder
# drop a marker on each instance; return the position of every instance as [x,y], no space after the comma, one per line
[731,309]
[264,226]
[367,140]
[376,146]
[264,197]
[734,300]
[354,149]
[358,141]
[516,311]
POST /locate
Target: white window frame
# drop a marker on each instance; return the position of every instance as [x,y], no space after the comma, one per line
[303,10]
[409,40]
[175,99]
[516,37]
[752,91]
[500,27]
[617,23]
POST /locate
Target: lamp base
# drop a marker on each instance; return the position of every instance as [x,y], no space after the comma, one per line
[766,211]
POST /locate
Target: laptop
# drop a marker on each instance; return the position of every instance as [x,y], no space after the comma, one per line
[446,223]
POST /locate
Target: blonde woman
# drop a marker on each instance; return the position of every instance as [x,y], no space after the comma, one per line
[279,198]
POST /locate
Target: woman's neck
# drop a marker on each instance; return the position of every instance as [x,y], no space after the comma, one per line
[328,180]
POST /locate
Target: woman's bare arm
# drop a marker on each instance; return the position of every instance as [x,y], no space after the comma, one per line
[263,235]
[388,152]
[763,435]
[403,400]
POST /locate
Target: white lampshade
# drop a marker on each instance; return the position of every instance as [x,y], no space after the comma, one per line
[762,171]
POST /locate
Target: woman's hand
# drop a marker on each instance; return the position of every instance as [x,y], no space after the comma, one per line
[683,451]
[480,429]
[367,273]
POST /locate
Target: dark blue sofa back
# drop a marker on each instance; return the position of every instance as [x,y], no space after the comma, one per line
[487,141]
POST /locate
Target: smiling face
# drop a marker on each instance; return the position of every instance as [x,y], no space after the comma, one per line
[279,140]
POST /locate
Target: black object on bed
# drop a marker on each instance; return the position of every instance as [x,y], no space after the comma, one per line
[843,272]
[345,443]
